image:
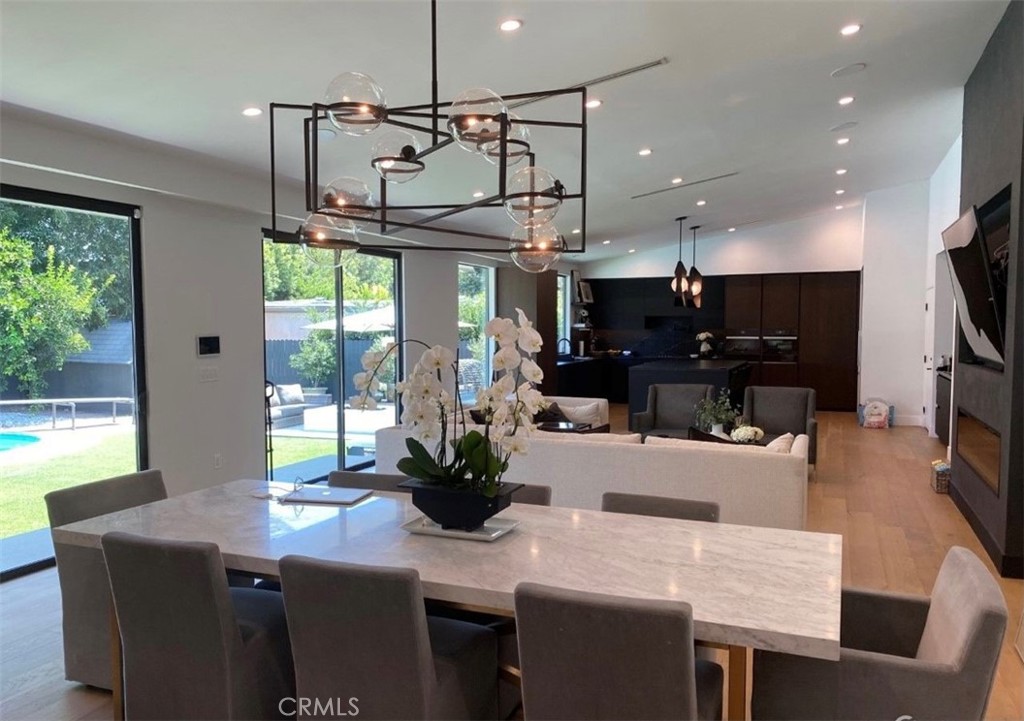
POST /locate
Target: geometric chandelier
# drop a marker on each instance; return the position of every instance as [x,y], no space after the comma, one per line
[343,213]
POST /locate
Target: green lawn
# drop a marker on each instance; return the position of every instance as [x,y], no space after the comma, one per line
[22,487]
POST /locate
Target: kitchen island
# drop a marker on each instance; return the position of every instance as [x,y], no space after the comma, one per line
[731,374]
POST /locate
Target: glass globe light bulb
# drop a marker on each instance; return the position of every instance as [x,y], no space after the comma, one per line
[352,197]
[535,249]
[394,156]
[327,242]
[533,197]
[474,118]
[517,143]
[356,104]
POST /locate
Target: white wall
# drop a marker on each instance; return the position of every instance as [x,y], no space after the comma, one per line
[940,322]
[825,242]
[892,298]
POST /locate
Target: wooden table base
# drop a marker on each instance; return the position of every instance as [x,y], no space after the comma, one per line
[737,683]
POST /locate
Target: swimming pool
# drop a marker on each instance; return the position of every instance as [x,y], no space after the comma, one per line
[9,441]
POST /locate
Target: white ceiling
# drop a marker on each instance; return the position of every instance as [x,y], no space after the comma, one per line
[747,90]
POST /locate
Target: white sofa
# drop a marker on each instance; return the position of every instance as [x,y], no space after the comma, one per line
[753,486]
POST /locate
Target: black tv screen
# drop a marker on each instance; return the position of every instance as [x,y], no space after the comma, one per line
[974,287]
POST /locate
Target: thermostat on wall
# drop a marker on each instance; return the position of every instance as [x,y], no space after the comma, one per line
[207,345]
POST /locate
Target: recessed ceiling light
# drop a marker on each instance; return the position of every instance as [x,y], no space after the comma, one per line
[676,181]
[839,207]
[850,69]
[842,141]
[732,230]
[478,194]
[606,242]
[511,25]
[851,29]
[702,202]
[575,231]
[841,171]
[593,103]
[632,250]
[252,112]
[840,191]
[846,100]
[644,152]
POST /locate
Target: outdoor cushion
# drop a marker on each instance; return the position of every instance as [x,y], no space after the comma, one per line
[290,394]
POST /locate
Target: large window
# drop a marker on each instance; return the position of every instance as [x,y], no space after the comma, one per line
[70,349]
[476,306]
[319,320]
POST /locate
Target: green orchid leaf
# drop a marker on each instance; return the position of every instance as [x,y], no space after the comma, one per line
[422,457]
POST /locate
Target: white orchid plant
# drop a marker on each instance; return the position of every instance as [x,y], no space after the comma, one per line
[474,459]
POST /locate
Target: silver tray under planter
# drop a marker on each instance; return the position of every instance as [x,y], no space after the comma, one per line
[492,530]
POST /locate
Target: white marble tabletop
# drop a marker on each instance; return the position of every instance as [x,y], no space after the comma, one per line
[758,587]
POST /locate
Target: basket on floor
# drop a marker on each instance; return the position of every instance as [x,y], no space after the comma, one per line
[940,476]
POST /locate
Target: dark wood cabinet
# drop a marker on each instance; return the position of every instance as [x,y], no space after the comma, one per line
[943,401]
[780,304]
[778,374]
[828,333]
[742,302]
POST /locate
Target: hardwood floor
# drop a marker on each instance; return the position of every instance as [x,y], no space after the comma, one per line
[871,486]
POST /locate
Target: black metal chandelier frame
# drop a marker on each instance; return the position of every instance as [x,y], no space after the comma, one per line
[427,118]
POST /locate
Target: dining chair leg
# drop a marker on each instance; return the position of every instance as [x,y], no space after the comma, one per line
[116,666]
[737,683]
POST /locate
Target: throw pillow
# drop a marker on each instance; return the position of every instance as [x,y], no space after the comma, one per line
[290,394]
[478,417]
[588,413]
[782,444]
[551,414]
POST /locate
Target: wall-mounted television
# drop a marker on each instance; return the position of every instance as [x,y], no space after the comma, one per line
[978,270]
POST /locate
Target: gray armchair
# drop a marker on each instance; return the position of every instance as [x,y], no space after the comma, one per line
[670,408]
[778,411]
[901,656]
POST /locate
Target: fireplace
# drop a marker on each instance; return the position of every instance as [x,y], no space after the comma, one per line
[979,446]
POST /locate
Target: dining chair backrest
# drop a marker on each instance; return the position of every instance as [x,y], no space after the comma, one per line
[373,481]
[181,642]
[533,494]
[362,628]
[82,574]
[592,656]
[660,506]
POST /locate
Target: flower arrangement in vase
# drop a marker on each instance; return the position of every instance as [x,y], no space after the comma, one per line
[711,414]
[746,434]
[707,340]
[456,470]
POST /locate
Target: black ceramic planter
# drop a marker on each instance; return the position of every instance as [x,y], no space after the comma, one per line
[455,509]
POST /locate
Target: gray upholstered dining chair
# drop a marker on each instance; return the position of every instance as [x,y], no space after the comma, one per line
[349,624]
[592,656]
[84,587]
[533,494]
[901,656]
[778,411]
[373,481]
[659,506]
[193,647]
[670,408]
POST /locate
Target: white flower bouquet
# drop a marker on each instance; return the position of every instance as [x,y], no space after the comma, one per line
[746,434]
[432,409]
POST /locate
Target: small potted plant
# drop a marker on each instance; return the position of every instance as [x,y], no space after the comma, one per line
[712,414]
[707,343]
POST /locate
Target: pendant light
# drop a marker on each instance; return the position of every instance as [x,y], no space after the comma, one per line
[696,280]
[680,285]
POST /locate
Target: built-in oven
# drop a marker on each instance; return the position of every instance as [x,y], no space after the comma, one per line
[780,349]
[742,345]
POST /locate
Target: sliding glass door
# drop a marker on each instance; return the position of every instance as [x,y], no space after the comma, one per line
[71,360]
[319,320]
[476,306]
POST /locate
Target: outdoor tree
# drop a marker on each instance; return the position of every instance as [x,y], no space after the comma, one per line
[42,312]
[97,245]
[317,356]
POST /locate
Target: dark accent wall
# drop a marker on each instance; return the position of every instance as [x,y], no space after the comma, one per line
[993,158]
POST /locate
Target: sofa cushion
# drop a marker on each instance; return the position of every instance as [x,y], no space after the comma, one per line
[551,414]
[275,400]
[782,444]
[290,394]
[701,445]
[587,413]
[634,438]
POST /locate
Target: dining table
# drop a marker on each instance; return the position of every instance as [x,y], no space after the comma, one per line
[749,587]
